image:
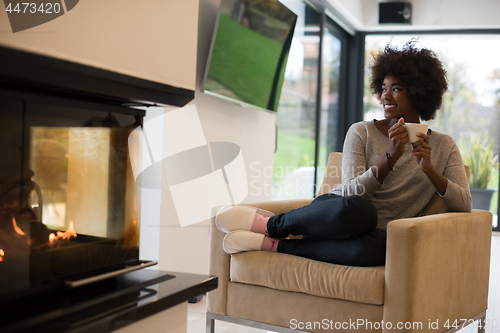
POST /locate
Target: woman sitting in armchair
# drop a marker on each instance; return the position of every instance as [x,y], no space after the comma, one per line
[384,176]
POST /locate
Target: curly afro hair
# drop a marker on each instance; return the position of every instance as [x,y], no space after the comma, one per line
[420,71]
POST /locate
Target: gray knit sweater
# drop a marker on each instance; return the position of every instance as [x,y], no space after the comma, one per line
[405,191]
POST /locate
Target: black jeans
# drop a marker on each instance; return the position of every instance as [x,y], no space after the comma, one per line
[336,229]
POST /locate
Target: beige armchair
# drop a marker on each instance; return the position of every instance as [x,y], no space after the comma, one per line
[436,275]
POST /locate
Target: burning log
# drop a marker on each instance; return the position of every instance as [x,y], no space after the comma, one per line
[70,232]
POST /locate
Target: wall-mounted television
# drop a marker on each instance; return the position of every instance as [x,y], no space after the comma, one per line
[249,51]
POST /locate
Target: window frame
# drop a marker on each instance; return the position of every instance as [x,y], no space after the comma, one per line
[351,50]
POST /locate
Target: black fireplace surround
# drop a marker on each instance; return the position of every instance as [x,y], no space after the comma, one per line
[69,206]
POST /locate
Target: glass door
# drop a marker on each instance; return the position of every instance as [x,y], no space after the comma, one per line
[294,159]
[332,91]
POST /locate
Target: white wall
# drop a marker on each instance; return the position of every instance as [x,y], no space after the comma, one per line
[427,14]
[444,14]
[351,11]
[186,249]
[151,207]
[152,39]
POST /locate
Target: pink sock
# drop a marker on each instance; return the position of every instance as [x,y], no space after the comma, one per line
[260,224]
[270,244]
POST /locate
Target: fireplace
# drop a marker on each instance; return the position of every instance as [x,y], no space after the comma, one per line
[68,201]
[69,205]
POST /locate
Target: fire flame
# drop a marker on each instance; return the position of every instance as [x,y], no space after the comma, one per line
[16,228]
[52,238]
[2,253]
[70,232]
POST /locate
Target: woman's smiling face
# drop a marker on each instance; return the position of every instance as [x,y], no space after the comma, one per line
[396,101]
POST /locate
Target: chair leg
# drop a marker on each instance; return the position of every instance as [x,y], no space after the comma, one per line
[210,324]
[480,324]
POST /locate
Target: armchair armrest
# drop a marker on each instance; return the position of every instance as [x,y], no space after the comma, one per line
[437,266]
[219,260]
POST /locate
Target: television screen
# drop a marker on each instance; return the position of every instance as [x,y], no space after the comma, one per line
[249,52]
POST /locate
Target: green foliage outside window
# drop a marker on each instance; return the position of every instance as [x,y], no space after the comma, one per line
[479,156]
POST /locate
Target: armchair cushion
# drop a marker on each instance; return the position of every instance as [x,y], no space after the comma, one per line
[291,273]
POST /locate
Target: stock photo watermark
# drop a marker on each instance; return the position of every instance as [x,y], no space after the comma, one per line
[25,15]
[365,324]
[170,151]
[295,181]
[200,175]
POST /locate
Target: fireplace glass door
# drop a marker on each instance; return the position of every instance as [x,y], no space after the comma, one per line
[69,205]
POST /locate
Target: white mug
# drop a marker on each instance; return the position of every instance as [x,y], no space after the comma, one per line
[413,129]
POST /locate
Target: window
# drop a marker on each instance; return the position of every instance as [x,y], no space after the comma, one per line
[311,102]
[296,116]
[332,91]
